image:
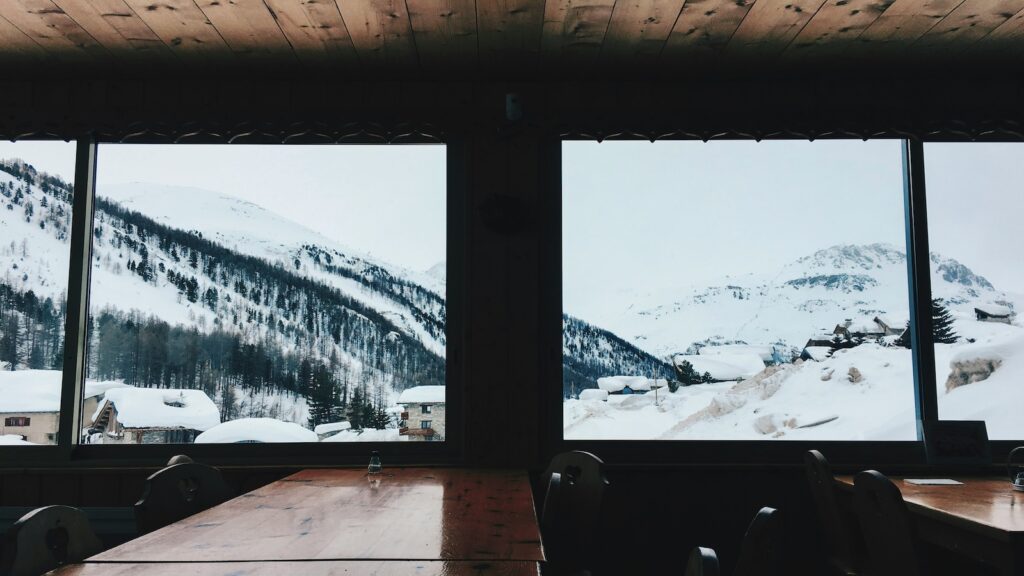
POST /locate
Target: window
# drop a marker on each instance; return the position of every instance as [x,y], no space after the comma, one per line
[35,220]
[253,293]
[18,421]
[425,409]
[735,290]
[425,424]
[977,282]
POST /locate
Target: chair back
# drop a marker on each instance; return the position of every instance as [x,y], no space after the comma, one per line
[842,546]
[47,538]
[887,529]
[576,485]
[179,491]
[702,562]
[759,552]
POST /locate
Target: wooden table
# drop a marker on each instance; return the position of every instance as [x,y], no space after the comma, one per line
[983,518]
[308,568]
[444,520]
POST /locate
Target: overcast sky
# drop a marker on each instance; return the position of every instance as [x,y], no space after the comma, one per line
[386,201]
[638,215]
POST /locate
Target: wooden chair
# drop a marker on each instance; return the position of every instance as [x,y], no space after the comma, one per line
[702,562]
[572,509]
[759,553]
[179,491]
[844,550]
[886,525]
[47,538]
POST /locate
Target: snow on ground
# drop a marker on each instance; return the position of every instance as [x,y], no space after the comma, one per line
[13,440]
[256,430]
[367,435]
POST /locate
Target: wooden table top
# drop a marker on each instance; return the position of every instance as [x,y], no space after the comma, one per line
[344,514]
[987,505]
[309,568]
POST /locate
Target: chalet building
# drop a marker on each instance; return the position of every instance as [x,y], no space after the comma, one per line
[31,404]
[424,414]
[152,416]
[994,313]
[626,385]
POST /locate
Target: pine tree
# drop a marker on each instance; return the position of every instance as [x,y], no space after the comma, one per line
[942,323]
[687,375]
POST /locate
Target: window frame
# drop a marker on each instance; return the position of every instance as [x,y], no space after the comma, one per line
[68,452]
[755,453]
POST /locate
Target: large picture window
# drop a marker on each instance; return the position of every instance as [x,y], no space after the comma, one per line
[265,293]
[35,220]
[735,290]
[977,282]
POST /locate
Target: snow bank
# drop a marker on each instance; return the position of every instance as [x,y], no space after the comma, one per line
[723,367]
[619,383]
[367,435]
[330,427]
[594,394]
[764,352]
[422,395]
[155,408]
[818,353]
[39,390]
[13,440]
[255,430]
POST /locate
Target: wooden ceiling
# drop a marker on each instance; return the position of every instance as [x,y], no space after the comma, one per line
[491,37]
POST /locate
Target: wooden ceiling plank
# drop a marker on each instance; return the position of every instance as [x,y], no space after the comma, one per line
[248,27]
[509,33]
[316,31]
[52,28]
[1004,44]
[703,29]
[770,27]
[837,24]
[116,26]
[639,29]
[18,46]
[381,32]
[574,31]
[445,33]
[967,24]
[183,28]
[905,21]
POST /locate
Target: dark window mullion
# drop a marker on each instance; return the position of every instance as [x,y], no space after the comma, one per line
[919,276]
[76,323]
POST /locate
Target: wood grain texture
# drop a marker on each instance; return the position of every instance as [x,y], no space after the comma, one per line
[509,32]
[988,506]
[316,31]
[406,513]
[574,30]
[316,568]
[51,28]
[445,33]
[965,25]
[381,32]
[905,21]
[638,30]
[117,27]
[1005,41]
[770,27]
[248,27]
[837,25]
[183,28]
[704,28]
[18,46]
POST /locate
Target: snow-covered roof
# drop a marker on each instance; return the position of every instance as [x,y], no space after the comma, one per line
[332,427]
[13,440]
[422,395]
[865,326]
[818,353]
[894,319]
[367,435]
[765,352]
[618,383]
[594,394]
[153,408]
[39,390]
[256,430]
[994,309]
[723,366]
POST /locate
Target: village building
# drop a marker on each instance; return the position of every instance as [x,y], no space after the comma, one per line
[722,367]
[152,416]
[993,313]
[625,385]
[424,414]
[324,431]
[31,407]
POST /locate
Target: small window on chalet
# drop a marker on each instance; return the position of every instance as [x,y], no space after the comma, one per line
[36,193]
[735,290]
[977,282]
[425,424]
[425,409]
[261,292]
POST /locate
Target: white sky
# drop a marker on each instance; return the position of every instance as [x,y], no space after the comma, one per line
[638,215]
[385,201]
